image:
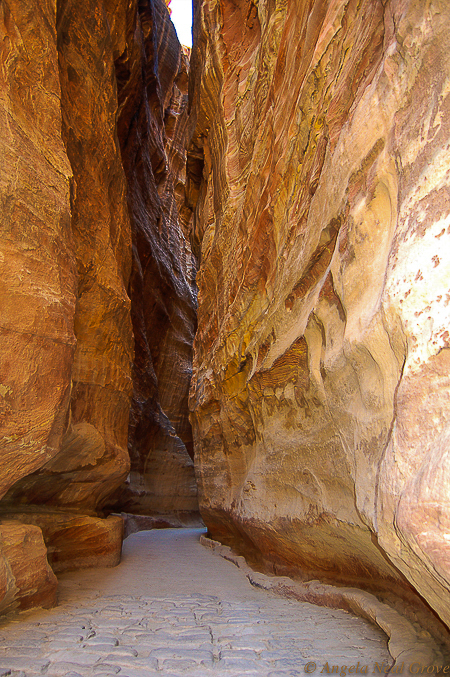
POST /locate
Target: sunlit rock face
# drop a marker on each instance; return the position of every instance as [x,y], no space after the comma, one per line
[320,396]
[73,541]
[92,142]
[38,269]
[66,332]
[91,459]
[26,579]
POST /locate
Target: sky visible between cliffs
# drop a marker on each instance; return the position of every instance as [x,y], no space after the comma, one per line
[182,20]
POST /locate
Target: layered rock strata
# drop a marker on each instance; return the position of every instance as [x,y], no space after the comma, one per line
[74,541]
[152,76]
[73,75]
[26,579]
[320,390]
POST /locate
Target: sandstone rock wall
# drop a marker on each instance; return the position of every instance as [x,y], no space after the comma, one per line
[74,78]
[38,269]
[26,579]
[320,390]
[37,281]
[152,75]
[92,458]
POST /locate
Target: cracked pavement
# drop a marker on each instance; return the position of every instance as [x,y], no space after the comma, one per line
[173,608]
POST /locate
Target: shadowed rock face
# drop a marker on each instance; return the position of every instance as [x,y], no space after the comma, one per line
[152,75]
[91,114]
[320,391]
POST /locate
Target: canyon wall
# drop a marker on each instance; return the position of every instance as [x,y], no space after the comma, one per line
[153,76]
[92,146]
[318,170]
[320,392]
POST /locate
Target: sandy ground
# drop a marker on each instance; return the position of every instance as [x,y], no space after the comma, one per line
[173,608]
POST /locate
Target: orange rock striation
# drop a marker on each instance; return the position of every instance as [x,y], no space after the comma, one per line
[320,393]
[91,113]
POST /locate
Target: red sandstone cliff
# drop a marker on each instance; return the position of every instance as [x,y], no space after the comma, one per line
[91,113]
[320,396]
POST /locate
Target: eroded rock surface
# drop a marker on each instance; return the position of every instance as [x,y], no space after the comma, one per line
[152,74]
[320,391]
[26,579]
[91,459]
[37,282]
[74,541]
[37,265]
[92,132]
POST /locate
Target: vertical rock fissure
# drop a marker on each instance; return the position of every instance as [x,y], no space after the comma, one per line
[152,75]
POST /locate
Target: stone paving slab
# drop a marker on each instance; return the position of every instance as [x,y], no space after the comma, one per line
[173,609]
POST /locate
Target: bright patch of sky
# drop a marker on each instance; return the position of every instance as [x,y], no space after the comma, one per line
[182,20]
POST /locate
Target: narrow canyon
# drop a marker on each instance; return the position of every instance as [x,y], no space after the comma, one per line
[225,289]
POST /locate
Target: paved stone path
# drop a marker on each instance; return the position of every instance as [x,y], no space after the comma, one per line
[173,608]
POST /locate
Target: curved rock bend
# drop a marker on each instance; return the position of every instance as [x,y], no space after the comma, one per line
[318,170]
[320,396]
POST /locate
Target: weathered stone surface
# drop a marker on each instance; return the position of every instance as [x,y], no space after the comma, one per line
[76,541]
[92,458]
[151,129]
[26,579]
[189,609]
[66,257]
[78,452]
[37,266]
[320,389]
